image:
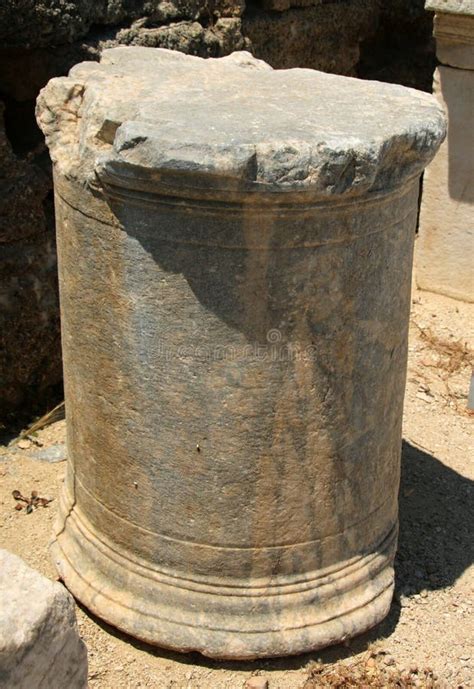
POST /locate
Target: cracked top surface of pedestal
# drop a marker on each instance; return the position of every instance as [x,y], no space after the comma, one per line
[237,123]
[451,6]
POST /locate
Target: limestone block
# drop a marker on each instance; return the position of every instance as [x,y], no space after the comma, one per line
[39,643]
[455,39]
[445,247]
[451,6]
[241,240]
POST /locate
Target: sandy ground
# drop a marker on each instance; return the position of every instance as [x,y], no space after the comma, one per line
[430,622]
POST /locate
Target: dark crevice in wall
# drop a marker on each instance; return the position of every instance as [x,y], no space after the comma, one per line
[402,51]
[21,129]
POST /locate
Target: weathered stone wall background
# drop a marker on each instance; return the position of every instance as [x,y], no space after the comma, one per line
[388,40]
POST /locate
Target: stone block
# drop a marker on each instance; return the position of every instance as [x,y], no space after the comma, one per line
[451,6]
[241,240]
[39,643]
[455,39]
[445,247]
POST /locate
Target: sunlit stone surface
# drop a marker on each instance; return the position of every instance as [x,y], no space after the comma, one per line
[445,249]
[40,644]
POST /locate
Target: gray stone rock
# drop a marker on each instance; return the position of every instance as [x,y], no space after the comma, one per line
[52,454]
[39,642]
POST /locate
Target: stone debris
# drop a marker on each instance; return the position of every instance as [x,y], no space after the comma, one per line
[40,647]
[51,454]
[55,453]
[256,683]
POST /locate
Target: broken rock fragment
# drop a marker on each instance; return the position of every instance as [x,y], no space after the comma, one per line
[40,647]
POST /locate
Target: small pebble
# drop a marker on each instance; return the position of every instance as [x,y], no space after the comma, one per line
[24,444]
[256,683]
[425,397]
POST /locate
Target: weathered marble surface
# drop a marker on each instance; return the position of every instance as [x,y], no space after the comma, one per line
[235,251]
[40,645]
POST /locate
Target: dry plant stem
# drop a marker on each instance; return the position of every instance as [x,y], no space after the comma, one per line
[56,414]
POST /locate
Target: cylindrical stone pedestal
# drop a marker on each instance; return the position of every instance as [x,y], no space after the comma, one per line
[235,248]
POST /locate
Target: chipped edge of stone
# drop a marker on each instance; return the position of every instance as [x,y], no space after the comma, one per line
[132,149]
